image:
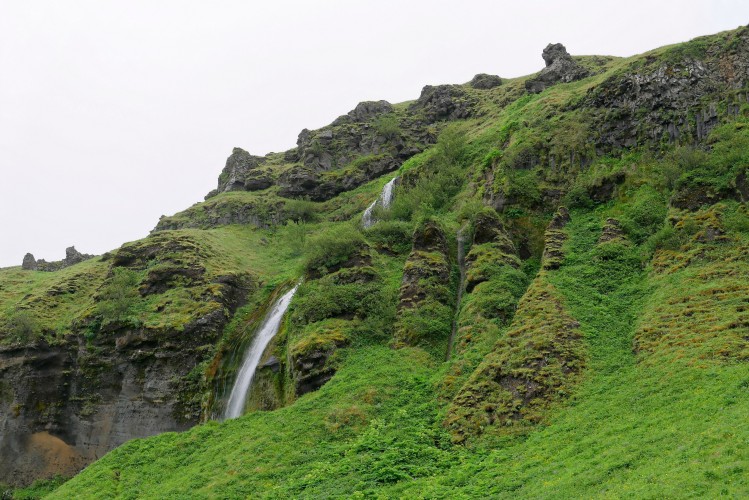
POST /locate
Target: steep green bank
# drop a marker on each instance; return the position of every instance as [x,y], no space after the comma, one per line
[597,315]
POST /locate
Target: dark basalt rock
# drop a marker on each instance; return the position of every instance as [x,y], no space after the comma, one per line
[491,243]
[257,180]
[430,238]
[444,102]
[554,240]
[29,263]
[482,81]
[560,68]
[365,111]
[612,231]
[312,371]
[487,228]
[65,405]
[427,263]
[304,182]
[240,173]
[679,98]
[72,257]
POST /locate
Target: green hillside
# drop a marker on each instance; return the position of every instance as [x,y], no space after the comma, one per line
[555,304]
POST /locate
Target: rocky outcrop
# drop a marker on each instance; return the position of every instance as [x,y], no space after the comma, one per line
[306,183]
[426,295]
[365,111]
[554,239]
[693,196]
[560,68]
[29,263]
[312,370]
[72,257]
[242,173]
[482,81]
[444,102]
[112,379]
[63,406]
[536,362]
[226,210]
[612,231]
[358,147]
[678,96]
[491,249]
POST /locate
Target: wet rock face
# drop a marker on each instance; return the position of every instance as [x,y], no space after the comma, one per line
[482,81]
[63,406]
[560,68]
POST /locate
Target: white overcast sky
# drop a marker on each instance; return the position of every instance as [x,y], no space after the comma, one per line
[113,113]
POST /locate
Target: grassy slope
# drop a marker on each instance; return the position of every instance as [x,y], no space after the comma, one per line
[653,430]
[664,421]
[633,428]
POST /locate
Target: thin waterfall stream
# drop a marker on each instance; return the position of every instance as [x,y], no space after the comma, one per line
[265,333]
[384,200]
[461,286]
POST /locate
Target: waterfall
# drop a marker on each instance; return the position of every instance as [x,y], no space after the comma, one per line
[265,333]
[461,285]
[384,200]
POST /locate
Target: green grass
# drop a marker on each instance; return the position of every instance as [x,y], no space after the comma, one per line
[631,427]
[373,425]
[639,346]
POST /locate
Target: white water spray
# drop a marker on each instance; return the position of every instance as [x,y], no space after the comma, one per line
[384,200]
[268,329]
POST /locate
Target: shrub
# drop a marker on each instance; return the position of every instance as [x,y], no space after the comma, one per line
[522,186]
[23,326]
[296,237]
[117,301]
[332,248]
[736,219]
[644,214]
[577,197]
[429,323]
[498,297]
[672,238]
[387,126]
[300,211]
[393,235]
[470,210]
[436,182]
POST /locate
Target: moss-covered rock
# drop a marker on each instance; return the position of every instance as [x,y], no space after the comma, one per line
[534,364]
[426,291]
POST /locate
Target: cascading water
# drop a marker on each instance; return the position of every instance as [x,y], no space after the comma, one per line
[268,329]
[384,200]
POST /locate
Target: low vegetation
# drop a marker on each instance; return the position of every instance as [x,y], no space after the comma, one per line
[594,294]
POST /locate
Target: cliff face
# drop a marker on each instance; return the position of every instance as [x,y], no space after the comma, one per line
[120,373]
[566,186]
[67,405]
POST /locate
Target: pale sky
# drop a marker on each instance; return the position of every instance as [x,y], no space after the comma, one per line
[113,113]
